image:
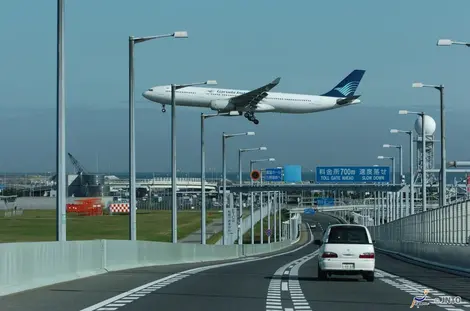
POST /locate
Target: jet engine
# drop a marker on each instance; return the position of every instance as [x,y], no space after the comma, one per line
[221,105]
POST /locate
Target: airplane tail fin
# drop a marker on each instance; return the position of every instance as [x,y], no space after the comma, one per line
[347,86]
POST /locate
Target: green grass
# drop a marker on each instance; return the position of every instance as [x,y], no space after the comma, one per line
[247,236]
[39,225]
[214,238]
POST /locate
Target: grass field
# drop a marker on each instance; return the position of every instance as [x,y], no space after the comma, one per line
[247,236]
[39,225]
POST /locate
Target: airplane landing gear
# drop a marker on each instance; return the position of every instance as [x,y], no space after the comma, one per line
[251,117]
[163,109]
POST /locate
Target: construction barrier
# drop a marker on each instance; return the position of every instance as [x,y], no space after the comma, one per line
[86,207]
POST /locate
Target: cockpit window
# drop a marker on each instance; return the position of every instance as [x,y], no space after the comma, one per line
[151,90]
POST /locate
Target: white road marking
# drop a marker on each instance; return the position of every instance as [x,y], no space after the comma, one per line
[293,286]
[416,289]
[141,291]
[284,286]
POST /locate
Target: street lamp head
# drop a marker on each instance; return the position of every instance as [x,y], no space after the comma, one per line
[263,148]
[250,133]
[211,82]
[417,84]
[403,112]
[271,159]
[180,34]
[394,131]
[444,42]
[380,157]
[386,146]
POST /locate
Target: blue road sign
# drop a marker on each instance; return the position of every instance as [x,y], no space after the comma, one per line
[272,174]
[325,201]
[268,232]
[353,174]
[309,211]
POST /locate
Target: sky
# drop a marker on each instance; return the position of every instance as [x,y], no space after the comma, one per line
[311,45]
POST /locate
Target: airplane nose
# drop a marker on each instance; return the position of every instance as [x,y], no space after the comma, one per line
[146,94]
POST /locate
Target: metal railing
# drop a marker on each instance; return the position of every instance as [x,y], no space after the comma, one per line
[449,225]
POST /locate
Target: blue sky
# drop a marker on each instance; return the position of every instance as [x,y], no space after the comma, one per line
[242,44]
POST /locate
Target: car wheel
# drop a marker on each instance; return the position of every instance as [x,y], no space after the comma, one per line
[322,275]
[369,277]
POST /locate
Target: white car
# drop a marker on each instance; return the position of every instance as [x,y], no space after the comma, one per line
[346,249]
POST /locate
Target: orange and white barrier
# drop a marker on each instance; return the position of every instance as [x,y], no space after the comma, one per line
[119,208]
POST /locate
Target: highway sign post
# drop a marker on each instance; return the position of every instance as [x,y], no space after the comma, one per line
[268,232]
[353,174]
[273,174]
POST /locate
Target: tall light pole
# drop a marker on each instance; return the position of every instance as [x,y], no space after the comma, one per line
[224,176]
[448,42]
[174,188]
[61,184]
[132,170]
[203,175]
[393,165]
[240,180]
[423,140]
[442,175]
[412,182]
[399,147]
[252,198]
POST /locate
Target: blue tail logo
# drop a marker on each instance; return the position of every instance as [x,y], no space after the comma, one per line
[347,86]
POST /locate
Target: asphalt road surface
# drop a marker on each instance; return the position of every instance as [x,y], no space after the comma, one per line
[283,281]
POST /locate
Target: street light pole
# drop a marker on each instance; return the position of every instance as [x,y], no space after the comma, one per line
[412,182]
[224,181]
[424,177]
[443,183]
[252,208]
[442,173]
[203,178]
[240,198]
[61,184]
[174,188]
[423,139]
[410,133]
[132,169]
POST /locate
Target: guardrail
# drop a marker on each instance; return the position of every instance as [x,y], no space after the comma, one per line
[440,236]
[30,265]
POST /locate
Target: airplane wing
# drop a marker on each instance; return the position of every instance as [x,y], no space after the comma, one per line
[252,98]
[347,100]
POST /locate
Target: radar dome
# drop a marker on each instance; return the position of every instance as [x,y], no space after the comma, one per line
[429,124]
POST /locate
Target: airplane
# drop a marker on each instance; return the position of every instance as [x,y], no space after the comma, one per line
[230,102]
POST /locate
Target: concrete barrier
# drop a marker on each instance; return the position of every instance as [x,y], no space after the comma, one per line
[30,265]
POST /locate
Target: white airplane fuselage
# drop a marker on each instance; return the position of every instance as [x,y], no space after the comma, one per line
[218,100]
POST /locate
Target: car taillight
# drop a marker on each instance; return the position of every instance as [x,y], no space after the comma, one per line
[329,255]
[367,255]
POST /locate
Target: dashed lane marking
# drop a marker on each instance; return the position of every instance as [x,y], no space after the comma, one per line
[149,288]
[297,299]
[434,297]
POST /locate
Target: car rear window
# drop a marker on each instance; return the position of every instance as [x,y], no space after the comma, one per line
[348,235]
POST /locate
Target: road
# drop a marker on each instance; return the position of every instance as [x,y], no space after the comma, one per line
[283,281]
